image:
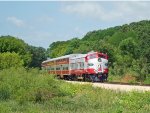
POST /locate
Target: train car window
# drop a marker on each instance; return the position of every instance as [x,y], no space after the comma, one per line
[72,66]
[79,66]
[49,68]
[67,68]
[90,64]
[76,66]
[82,65]
[58,68]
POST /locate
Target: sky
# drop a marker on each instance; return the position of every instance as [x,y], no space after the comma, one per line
[41,23]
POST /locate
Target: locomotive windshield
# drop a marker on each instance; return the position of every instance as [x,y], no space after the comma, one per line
[103,56]
[99,55]
[91,56]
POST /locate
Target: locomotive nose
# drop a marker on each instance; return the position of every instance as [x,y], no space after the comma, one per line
[106,70]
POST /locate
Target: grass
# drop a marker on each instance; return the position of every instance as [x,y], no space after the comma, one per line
[129,78]
[31,91]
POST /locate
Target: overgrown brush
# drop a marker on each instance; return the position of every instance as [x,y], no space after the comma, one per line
[32,91]
[30,85]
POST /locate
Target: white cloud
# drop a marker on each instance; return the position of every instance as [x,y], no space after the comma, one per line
[84,9]
[134,10]
[110,11]
[17,22]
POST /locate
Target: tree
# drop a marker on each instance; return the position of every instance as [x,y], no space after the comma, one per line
[38,55]
[12,44]
[128,46]
[72,46]
[8,60]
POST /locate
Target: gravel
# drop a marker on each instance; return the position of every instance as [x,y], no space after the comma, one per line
[116,87]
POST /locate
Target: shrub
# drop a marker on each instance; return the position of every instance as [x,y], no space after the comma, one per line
[31,85]
[4,94]
[8,60]
[32,91]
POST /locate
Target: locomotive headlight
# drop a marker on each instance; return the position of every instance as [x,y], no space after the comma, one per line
[106,64]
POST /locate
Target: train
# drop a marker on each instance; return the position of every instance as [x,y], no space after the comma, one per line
[92,66]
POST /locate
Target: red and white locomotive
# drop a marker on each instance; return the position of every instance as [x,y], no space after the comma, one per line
[92,66]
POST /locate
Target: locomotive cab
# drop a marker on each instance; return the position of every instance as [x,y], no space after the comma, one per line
[97,66]
[103,63]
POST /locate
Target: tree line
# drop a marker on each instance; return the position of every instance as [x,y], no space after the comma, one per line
[128,48]
[15,52]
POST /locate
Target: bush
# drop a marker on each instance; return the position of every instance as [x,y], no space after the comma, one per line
[31,85]
[31,90]
[8,60]
[4,94]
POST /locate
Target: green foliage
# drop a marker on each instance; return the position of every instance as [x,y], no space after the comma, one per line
[57,49]
[132,101]
[31,56]
[73,44]
[12,44]
[142,68]
[127,46]
[8,60]
[31,91]
[30,85]
[38,55]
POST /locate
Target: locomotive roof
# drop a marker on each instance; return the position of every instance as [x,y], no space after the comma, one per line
[79,56]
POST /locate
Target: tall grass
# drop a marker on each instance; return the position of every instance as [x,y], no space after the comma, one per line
[32,91]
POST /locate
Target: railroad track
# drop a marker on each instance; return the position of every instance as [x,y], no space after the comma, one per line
[121,83]
[116,86]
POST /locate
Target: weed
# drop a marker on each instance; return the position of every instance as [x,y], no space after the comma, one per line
[33,91]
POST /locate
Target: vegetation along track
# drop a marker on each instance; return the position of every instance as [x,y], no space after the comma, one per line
[116,86]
